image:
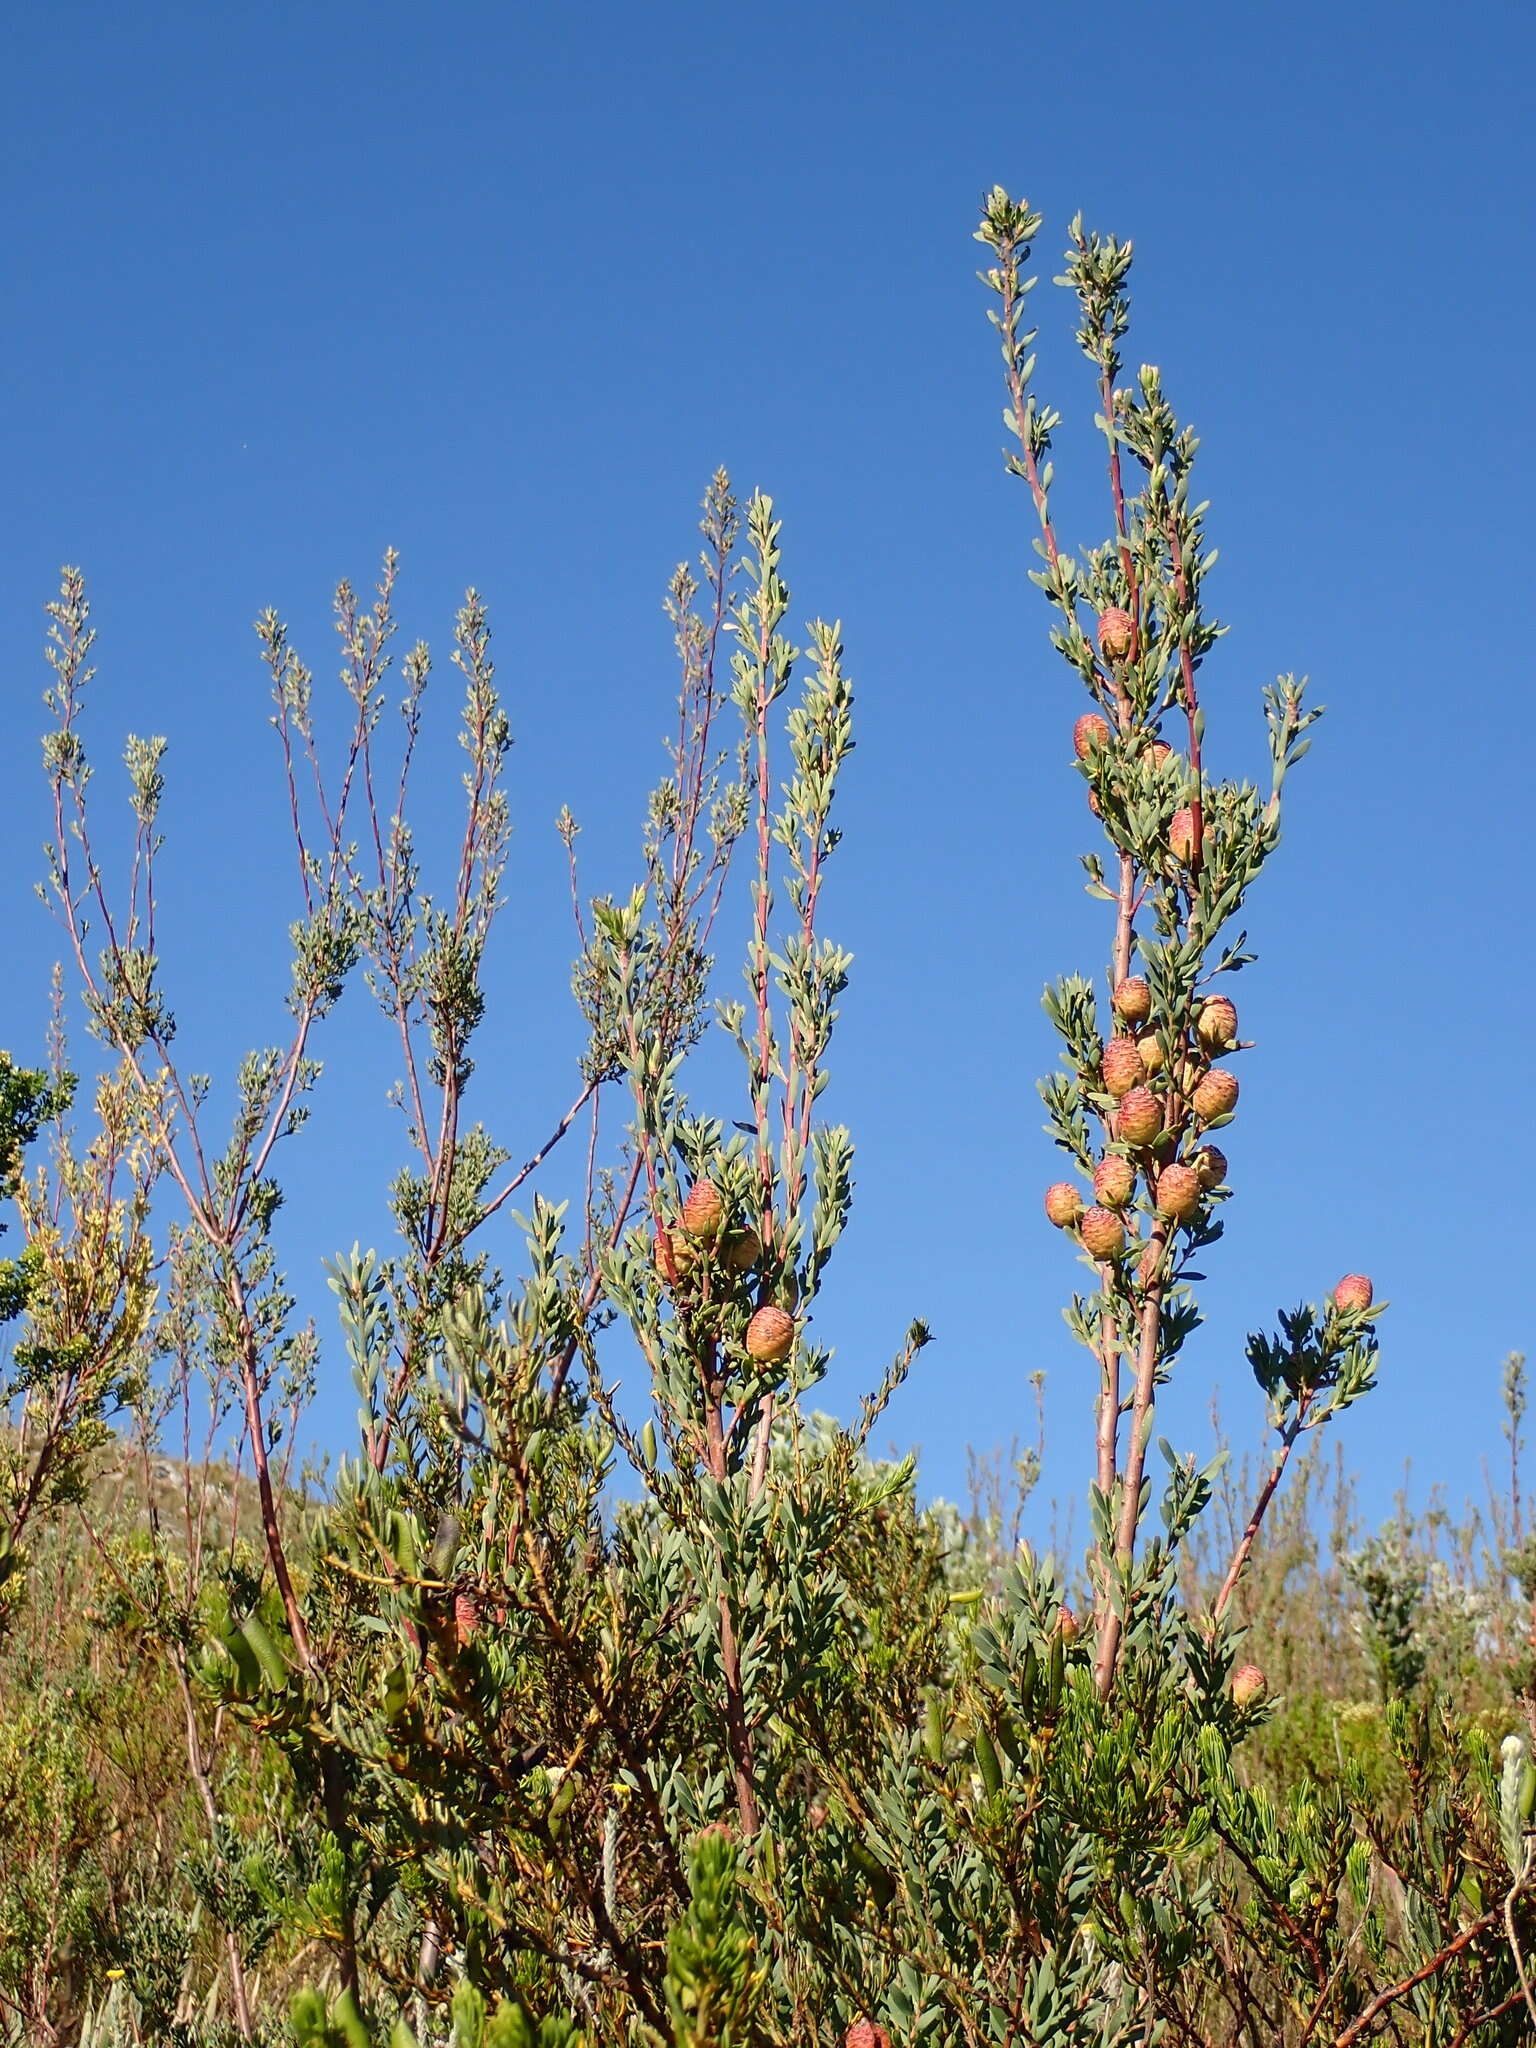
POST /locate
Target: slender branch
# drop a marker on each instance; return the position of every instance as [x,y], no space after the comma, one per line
[532,1164]
[1111,1624]
[1385,1999]
[1249,1536]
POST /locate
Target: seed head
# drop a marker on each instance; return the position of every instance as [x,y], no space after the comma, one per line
[1181,836]
[1159,752]
[1215,1094]
[1354,1291]
[1123,1070]
[1216,1025]
[770,1336]
[1089,734]
[1140,1117]
[704,1210]
[1151,1049]
[1103,1233]
[866,2034]
[1114,1181]
[1117,630]
[1210,1164]
[1249,1686]
[1063,1204]
[1133,999]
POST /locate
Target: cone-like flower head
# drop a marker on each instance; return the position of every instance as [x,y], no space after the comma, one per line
[1103,1233]
[704,1210]
[1216,1025]
[1210,1164]
[1117,630]
[1133,999]
[1140,1117]
[741,1250]
[1123,1069]
[1249,1686]
[1215,1094]
[1354,1291]
[1114,1181]
[770,1335]
[1178,1193]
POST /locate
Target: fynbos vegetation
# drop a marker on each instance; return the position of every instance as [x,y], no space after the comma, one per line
[566,1715]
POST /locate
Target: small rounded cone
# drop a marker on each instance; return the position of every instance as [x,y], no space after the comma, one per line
[866,2034]
[1063,1203]
[704,1210]
[1114,1181]
[1181,836]
[1151,1050]
[1354,1291]
[1249,1686]
[1123,1069]
[1215,1094]
[1210,1164]
[1103,1233]
[1178,1193]
[1216,1026]
[1140,1117]
[1133,999]
[770,1336]
[682,1252]
[1089,734]
[1117,631]
[741,1250]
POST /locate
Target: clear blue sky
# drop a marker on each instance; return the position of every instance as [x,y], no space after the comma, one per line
[501,286]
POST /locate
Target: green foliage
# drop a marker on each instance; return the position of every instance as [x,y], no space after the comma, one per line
[609,1694]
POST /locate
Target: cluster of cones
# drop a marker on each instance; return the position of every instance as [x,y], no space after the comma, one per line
[1092,733]
[1194,1091]
[702,1235]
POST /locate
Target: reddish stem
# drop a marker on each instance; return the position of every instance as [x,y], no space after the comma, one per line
[1245,1545]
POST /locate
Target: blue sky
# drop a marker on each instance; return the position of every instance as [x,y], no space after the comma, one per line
[502,286]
